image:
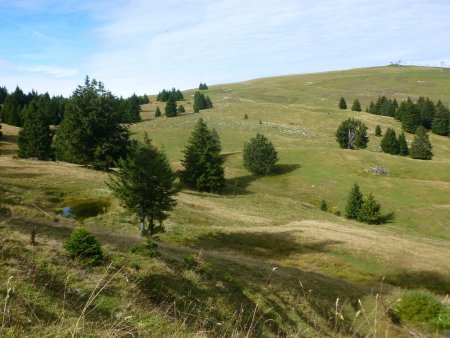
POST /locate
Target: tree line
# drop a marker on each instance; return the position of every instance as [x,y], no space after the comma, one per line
[164,95]
[423,112]
[13,105]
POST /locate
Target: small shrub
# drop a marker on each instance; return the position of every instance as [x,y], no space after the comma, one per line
[148,249]
[378,131]
[422,307]
[245,117]
[191,262]
[84,246]
[337,213]
[323,205]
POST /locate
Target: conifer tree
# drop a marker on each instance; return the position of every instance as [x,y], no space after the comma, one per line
[202,160]
[427,112]
[370,211]
[354,203]
[389,143]
[393,106]
[35,137]
[181,109]
[144,184]
[91,132]
[402,145]
[260,155]
[356,105]
[157,112]
[421,146]
[352,134]
[440,125]
[342,103]
[3,94]
[171,107]
[410,117]
[378,130]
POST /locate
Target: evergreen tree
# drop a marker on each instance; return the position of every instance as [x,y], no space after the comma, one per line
[352,134]
[378,130]
[440,125]
[427,111]
[202,160]
[171,107]
[421,146]
[342,103]
[202,86]
[157,112]
[130,109]
[144,184]
[370,211]
[356,105]
[371,109]
[402,145]
[35,138]
[260,155]
[410,117]
[3,94]
[389,143]
[91,133]
[393,106]
[84,246]
[181,109]
[354,203]
[323,205]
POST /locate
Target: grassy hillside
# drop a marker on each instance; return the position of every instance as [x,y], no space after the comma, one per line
[260,259]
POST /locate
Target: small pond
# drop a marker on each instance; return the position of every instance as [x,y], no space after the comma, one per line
[85,208]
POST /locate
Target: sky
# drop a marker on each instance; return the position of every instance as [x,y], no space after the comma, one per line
[144,46]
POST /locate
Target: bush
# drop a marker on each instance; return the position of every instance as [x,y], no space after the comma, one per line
[378,130]
[84,246]
[342,103]
[323,205]
[148,249]
[422,307]
[260,155]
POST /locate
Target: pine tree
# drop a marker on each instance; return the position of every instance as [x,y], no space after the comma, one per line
[354,203]
[144,184]
[202,160]
[35,137]
[91,132]
[157,112]
[410,117]
[181,109]
[440,125]
[356,105]
[389,143]
[402,145]
[393,106]
[427,112]
[370,211]
[171,107]
[342,103]
[352,134]
[260,155]
[3,94]
[421,146]
[378,130]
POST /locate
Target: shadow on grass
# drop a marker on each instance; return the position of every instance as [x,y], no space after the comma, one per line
[260,244]
[431,280]
[238,185]
[9,138]
[283,169]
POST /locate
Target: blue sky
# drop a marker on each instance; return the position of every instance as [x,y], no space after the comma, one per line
[144,46]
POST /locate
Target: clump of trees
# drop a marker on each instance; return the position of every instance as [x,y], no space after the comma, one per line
[342,103]
[203,164]
[144,184]
[352,134]
[171,107]
[164,95]
[383,106]
[202,86]
[260,156]
[201,101]
[366,210]
[91,132]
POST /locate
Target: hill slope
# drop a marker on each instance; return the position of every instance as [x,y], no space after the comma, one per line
[260,259]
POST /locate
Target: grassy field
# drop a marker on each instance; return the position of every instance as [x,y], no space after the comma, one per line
[266,260]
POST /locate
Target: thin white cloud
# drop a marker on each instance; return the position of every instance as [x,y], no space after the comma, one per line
[59,72]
